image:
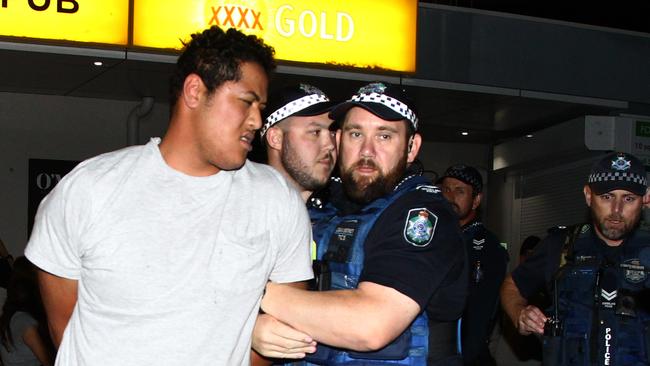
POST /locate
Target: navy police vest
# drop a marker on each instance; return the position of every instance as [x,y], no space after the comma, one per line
[603,306]
[341,245]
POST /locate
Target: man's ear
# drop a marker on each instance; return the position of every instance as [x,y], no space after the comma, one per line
[413,147]
[274,136]
[477,201]
[192,88]
[338,139]
[588,194]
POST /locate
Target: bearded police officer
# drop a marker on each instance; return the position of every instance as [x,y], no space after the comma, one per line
[600,314]
[391,245]
[462,186]
[299,144]
[299,141]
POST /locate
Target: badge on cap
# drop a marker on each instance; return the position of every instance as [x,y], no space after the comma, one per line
[621,164]
[420,227]
[378,88]
[310,89]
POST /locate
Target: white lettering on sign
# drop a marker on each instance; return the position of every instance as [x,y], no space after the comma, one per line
[46,181]
[309,24]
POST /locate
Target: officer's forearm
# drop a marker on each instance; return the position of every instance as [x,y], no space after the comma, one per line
[362,319]
[511,300]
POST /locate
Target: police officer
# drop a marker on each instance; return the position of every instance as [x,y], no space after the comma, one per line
[391,244]
[299,144]
[600,313]
[462,186]
[299,141]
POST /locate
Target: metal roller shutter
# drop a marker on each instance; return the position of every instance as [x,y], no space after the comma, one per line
[553,197]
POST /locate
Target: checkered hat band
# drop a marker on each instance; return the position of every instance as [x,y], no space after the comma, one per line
[291,108]
[389,102]
[617,176]
[466,178]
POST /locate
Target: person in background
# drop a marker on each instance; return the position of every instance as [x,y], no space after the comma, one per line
[159,254]
[597,274]
[6,262]
[23,329]
[462,186]
[528,247]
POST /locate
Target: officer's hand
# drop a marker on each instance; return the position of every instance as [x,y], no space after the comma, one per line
[272,338]
[531,320]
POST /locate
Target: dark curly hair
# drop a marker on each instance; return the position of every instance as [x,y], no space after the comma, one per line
[215,56]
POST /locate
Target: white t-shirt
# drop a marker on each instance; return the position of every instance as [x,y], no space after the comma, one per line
[171,268]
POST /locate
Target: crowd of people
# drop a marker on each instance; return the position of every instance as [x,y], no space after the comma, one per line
[335,250]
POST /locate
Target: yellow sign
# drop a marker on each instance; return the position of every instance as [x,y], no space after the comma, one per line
[105,21]
[361,33]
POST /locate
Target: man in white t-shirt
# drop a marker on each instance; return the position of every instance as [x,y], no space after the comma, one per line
[158,254]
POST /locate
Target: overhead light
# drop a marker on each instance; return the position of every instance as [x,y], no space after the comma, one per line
[464,133]
[98,63]
[530,135]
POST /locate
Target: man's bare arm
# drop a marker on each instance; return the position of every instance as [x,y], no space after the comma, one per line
[33,340]
[362,319]
[59,298]
[527,318]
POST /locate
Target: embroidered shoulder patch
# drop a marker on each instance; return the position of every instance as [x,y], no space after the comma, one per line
[420,227]
[428,188]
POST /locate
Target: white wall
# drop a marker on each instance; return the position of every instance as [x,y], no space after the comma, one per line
[56,127]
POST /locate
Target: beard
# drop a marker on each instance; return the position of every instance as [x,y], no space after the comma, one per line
[298,170]
[462,214]
[366,189]
[616,233]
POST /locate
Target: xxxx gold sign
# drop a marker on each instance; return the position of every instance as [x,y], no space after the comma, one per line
[104,21]
[361,33]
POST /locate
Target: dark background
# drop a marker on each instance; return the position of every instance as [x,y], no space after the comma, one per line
[621,14]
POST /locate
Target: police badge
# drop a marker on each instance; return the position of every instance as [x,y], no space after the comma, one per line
[378,88]
[621,164]
[633,270]
[310,89]
[420,226]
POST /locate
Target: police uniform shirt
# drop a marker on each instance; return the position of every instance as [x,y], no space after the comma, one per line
[435,275]
[487,265]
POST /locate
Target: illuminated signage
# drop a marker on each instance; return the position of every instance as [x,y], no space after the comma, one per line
[361,33]
[104,21]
